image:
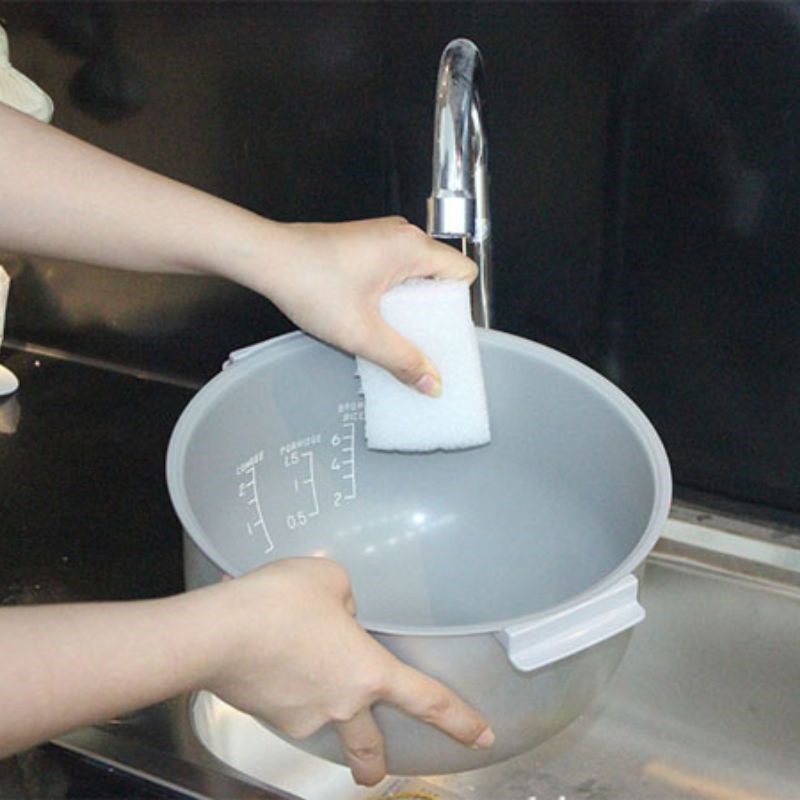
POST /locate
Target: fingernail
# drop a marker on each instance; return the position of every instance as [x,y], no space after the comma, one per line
[486,739]
[428,385]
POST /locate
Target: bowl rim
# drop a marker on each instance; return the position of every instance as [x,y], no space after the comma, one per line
[286,344]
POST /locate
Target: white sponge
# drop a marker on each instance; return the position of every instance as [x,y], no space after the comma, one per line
[435,316]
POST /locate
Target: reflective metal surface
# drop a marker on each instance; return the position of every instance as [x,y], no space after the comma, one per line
[459,203]
[705,705]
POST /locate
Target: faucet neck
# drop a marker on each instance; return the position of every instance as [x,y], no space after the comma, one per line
[458,207]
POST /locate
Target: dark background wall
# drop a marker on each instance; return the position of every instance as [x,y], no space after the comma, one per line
[644,165]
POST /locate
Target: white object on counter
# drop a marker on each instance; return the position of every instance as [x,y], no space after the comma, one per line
[8,380]
[24,95]
[9,383]
[435,316]
[21,92]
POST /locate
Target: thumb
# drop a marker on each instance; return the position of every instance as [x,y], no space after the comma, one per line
[388,349]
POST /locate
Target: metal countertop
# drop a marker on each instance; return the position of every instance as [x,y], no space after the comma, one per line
[706,703]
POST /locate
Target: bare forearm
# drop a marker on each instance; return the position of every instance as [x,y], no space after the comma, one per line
[66,199]
[71,665]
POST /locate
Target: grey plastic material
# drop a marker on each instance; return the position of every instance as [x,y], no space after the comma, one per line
[539,642]
[489,568]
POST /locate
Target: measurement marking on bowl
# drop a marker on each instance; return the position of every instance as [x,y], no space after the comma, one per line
[346,463]
[248,492]
[304,484]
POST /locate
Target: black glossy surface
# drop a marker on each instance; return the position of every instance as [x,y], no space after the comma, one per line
[644,185]
[50,773]
[324,111]
[703,273]
[84,511]
[644,167]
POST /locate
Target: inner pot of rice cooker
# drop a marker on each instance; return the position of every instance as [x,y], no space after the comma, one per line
[510,572]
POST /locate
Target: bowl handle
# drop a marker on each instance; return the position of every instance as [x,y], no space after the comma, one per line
[539,642]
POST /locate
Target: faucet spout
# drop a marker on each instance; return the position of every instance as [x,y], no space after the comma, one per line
[458,207]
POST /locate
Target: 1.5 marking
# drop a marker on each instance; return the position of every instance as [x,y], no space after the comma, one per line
[304,485]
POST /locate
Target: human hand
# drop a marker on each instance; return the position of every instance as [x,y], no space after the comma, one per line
[333,275]
[297,658]
[327,278]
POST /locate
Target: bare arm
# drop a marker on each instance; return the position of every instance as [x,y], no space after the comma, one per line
[70,665]
[280,643]
[255,641]
[64,198]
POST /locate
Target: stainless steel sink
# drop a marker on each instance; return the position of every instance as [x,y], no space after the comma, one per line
[705,705]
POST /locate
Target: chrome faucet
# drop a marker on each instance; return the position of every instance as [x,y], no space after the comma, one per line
[458,207]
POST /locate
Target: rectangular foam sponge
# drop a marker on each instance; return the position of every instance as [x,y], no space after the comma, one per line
[435,316]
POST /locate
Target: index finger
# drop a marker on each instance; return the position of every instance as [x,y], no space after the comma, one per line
[432,702]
